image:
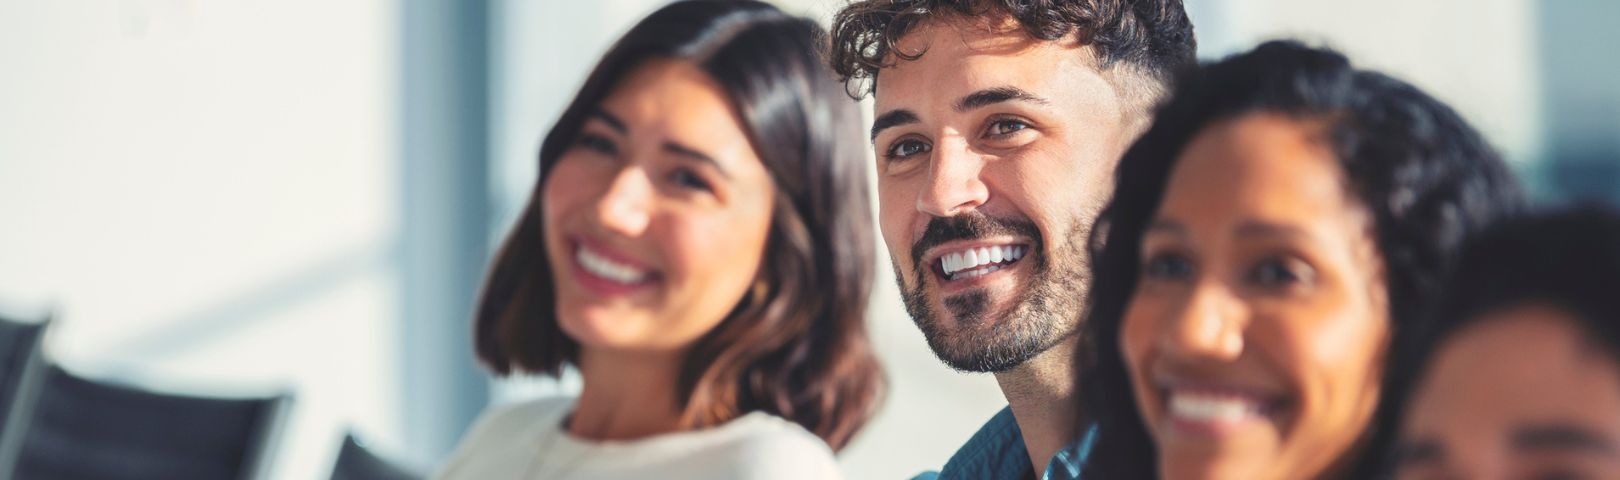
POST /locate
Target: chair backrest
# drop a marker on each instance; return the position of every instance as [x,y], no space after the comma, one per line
[22,367]
[356,462]
[87,429]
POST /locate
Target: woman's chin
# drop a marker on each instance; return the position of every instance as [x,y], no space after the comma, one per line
[625,332]
[1238,453]
[593,328]
[1246,467]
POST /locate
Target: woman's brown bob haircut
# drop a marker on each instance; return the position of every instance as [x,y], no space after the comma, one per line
[795,345]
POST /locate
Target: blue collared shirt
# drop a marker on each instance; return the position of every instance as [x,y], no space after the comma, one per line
[997,451]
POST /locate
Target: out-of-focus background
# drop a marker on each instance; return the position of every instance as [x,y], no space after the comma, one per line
[252,197]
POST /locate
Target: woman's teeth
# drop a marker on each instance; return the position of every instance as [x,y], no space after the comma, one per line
[608,269]
[1212,407]
[976,262]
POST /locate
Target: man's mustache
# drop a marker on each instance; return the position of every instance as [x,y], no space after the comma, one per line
[970,226]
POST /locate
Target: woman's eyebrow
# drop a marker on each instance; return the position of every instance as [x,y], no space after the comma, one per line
[1561,437]
[694,154]
[1166,227]
[1261,228]
[613,122]
[1419,452]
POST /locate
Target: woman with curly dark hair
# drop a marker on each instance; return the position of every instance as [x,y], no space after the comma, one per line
[699,247]
[1286,216]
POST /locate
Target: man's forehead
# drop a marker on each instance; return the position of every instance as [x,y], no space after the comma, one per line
[960,55]
[991,34]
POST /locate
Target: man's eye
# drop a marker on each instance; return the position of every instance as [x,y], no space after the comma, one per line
[1167,267]
[905,149]
[1006,127]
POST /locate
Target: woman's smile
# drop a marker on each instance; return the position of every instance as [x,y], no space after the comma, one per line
[606,272]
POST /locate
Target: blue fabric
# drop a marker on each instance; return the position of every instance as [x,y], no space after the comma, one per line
[997,451]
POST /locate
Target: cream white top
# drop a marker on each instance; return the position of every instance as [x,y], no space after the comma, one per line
[527,441]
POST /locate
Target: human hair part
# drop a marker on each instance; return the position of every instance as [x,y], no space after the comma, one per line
[795,345]
[1425,177]
[1145,41]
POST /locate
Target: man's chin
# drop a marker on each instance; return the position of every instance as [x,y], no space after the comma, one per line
[983,356]
[971,332]
[989,327]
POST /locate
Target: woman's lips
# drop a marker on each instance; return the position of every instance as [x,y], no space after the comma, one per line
[609,273]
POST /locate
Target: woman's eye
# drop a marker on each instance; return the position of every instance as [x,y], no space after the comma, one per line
[1167,267]
[1277,272]
[1558,475]
[598,143]
[905,148]
[687,179]
[1006,127]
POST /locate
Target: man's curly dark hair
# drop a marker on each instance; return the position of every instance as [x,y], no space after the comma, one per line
[1152,36]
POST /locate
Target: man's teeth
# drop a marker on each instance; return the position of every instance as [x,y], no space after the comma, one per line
[608,269]
[979,261]
[1212,407]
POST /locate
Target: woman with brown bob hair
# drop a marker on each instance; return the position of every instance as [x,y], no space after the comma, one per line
[699,247]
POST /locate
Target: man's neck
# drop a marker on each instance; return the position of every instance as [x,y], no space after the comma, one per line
[1043,398]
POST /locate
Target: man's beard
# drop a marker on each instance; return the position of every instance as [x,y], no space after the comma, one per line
[1046,310]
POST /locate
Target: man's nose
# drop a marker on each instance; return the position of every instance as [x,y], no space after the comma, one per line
[955,181]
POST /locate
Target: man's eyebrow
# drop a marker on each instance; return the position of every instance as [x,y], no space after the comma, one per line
[1561,436]
[608,118]
[892,118]
[979,99]
[991,96]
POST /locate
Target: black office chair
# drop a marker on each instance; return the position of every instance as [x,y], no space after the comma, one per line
[82,428]
[22,367]
[356,462]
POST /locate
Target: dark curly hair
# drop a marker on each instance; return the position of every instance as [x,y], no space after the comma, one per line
[1154,36]
[1427,178]
[1568,259]
[795,345]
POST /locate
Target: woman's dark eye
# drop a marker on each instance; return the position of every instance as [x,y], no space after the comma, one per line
[1558,475]
[906,148]
[599,144]
[1167,267]
[686,179]
[1007,127]
[1276,272]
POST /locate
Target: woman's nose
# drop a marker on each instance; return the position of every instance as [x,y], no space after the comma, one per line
[1209,325]
[625,206]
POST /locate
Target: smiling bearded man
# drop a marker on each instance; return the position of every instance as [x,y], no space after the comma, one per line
[998,126]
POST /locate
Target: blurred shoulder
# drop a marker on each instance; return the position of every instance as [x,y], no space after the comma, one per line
[767,446]
[537,411]
[504,436]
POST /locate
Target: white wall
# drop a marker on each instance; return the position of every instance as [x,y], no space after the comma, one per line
[202,191]
[1480,56]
